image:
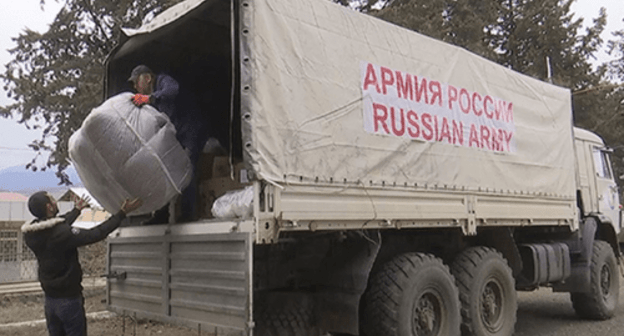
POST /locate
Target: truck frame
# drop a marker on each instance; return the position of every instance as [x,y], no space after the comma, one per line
[357,228]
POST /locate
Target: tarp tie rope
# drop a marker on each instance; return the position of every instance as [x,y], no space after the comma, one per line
[151,150]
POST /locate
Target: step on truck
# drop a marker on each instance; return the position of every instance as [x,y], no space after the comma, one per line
[401,185]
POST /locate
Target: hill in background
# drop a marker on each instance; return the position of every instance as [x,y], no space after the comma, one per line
[25,181]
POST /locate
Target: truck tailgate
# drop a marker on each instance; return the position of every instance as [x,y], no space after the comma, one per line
[198,280]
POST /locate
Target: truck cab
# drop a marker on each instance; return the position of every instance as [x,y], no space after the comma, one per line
[598,193]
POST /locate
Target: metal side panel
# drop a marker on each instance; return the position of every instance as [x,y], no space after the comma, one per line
[538,211]
[359,203]
[201,281]
[332,207]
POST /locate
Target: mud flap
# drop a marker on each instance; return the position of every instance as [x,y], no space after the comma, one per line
[579,280]
[343,281]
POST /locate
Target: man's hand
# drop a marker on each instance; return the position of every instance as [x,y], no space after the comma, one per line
[140,99]
[131,205]
[80,203]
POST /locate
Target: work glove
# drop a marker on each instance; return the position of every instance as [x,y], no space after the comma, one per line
[140,99]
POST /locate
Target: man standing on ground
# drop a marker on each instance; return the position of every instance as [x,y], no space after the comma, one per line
[54,242]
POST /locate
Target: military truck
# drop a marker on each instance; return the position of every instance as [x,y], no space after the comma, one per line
[401,185]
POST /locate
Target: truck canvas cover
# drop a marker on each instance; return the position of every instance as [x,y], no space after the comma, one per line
[332,95]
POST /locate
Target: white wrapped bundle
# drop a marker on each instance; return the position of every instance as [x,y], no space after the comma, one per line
[236,203]
[122,151]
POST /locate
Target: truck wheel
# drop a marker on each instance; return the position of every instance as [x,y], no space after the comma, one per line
[413,294]
[601,301]
[487,292]
[284,314]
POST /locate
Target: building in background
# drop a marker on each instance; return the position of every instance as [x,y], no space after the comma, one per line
[17,262]
[91,216]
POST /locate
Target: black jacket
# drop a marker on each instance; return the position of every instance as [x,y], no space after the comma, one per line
[191,124]
[54,242]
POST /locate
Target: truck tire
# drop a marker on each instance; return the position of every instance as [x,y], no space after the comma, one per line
[413,294]
[486,291]
[284,314]
[601,301]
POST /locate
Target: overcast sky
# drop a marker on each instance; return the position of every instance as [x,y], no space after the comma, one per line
[19,14]
[16,16]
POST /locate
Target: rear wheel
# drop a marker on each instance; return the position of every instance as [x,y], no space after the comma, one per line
[601,301]
[284,314]
[487,292]
[414,294]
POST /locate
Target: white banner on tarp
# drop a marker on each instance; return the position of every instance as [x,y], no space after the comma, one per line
[407,105]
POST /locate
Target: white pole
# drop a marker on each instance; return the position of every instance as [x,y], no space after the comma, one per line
[548,70]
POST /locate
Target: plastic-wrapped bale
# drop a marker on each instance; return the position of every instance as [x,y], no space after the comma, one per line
[236,203]
[123,151]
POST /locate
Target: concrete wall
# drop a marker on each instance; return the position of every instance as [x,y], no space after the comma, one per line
[17,263]
[18,211]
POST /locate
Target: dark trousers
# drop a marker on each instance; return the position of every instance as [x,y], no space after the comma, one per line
[188,199]
[194,148]
[65,316]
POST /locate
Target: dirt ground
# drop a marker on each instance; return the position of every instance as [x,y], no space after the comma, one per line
[22,308]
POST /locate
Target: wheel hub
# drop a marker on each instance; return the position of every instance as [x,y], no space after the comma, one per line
[427,315]
[605,280]
[491,306]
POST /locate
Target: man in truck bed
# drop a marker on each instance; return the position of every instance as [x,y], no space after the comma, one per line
[165,94]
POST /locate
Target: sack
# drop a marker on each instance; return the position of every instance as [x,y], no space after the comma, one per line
[123,151]
[237,203]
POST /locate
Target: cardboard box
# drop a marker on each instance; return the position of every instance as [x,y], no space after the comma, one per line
[204,166]
[221,182]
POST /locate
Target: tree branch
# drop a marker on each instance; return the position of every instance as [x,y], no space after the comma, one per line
[96,20]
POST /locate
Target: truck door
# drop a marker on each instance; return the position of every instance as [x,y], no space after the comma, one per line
[606,189]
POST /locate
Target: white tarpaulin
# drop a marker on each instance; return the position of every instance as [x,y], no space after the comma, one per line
[123,151]
[331,95]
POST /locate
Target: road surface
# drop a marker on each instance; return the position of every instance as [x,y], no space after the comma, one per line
[544,313]
[540,313]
